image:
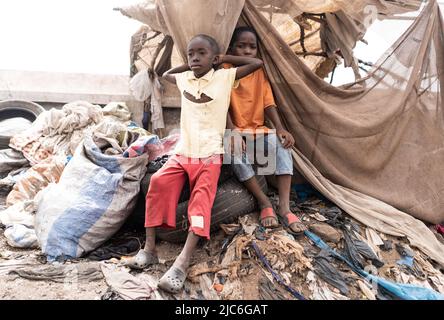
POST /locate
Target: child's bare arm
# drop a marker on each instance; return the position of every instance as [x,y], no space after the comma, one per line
[287,139]
[245,65]
[236,138]
[230,124]
[169,75]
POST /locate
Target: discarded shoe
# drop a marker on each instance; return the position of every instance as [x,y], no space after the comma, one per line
[172,281]
[141,260]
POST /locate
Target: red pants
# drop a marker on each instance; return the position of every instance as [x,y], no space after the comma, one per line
[166,186]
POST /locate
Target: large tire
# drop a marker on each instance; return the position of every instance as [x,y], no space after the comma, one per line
[10,109]
[225,174]
[136,220]
[20,108]
[232,201]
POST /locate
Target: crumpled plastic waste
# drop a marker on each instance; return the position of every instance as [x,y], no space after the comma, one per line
[329,273]
[157,163]
[268,291]
[14,176]
[57,131]
[141,145]
[11,159]
[356,250]
[118,111]
[19,213]
[115,250]
[140,85]
[407,255]
[402,291]
[406,291]
[7,183]
[20,236]
[153,146]
[331,213]
[408,261]
[388,245]
[128,286]
[36,179]
[320,291]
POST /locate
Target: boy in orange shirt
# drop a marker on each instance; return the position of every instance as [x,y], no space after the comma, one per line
[251,100]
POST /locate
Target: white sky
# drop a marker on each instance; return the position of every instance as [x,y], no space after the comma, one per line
[87,36]
[79,36]
[380,36]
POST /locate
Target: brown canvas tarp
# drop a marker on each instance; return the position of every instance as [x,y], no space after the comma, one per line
[353,8]
[382,136]
[344,23]
[378,144]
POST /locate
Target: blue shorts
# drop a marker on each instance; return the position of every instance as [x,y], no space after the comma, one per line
[271,158]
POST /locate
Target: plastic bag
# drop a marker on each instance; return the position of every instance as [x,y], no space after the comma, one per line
[20,213]
[11,160]
[95,195]
[20,236]
[35,179]
[153,146]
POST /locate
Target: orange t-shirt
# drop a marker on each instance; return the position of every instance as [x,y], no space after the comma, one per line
[250,97]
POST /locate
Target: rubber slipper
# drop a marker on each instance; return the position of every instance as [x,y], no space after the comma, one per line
[290,220]
[141,260]
[268,213]
[172,281]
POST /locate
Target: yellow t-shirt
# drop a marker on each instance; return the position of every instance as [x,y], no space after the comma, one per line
[202,125]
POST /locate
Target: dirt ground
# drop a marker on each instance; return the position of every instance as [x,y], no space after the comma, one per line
[14,287]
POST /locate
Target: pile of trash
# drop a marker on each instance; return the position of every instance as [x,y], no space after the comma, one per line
[71,180]
[77,166]
[337,259]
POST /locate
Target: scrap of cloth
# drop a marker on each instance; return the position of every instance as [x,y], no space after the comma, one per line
[57,131]
[88,272]
[126,285]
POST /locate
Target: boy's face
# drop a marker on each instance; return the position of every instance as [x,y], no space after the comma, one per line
[246,45]
[201,56]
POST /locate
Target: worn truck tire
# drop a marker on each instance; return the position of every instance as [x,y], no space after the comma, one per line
[232,201]
[17,109]
[137,219]
[225,174]
[20,108]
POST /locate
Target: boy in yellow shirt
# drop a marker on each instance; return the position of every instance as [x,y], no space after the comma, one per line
[204,106]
